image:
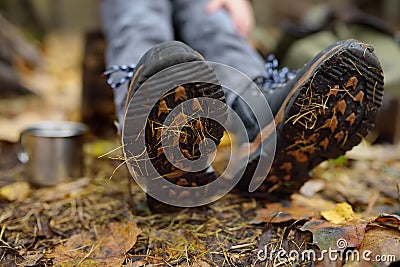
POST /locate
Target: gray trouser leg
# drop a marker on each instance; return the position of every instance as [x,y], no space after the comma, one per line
[215,37]
[131,28]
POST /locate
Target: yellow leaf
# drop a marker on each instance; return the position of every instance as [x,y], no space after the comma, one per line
[16,191]
[103,148]
[341,213]
[226,139]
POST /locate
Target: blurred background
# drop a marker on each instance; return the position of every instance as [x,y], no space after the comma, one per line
[51,55]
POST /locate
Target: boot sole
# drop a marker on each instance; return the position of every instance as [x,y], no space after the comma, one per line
[331,107]
[191,134]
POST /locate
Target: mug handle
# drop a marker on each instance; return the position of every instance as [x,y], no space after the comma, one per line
[22,155]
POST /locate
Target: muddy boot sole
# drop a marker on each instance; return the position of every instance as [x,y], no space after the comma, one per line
[331,106]
[180,75]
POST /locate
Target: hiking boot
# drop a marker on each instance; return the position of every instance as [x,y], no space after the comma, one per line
[324,111]
[166,76]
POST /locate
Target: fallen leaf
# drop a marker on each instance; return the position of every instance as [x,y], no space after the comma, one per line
[195,264]
[381,153]
[31,260]
[380,247]
[328,236]
[62,190]
[278,213]
[311,187]
[104,246]
[345,184]
[341,213]
[265,238]
[104,148]
[17,191]
[227,139]
[315,202]
[390,220]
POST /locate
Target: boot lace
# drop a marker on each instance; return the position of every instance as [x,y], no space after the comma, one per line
[275,77]
[124,74]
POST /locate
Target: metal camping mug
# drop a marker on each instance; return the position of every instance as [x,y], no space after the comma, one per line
[53,152]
